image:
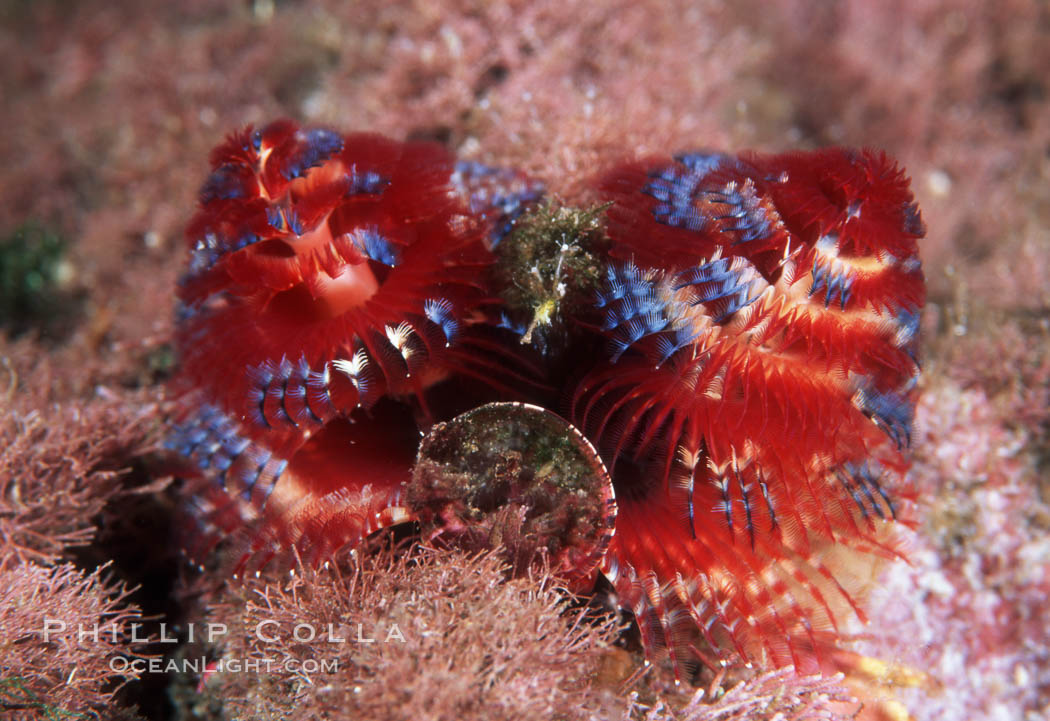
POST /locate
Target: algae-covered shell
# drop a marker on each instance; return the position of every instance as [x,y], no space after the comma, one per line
[520,477]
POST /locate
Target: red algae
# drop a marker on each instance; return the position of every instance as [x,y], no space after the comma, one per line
[975,576]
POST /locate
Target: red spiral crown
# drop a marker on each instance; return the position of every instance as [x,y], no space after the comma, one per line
[753,402]
[761,314]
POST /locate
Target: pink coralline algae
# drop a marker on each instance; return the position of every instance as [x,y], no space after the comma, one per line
[970,609]
[728,407]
